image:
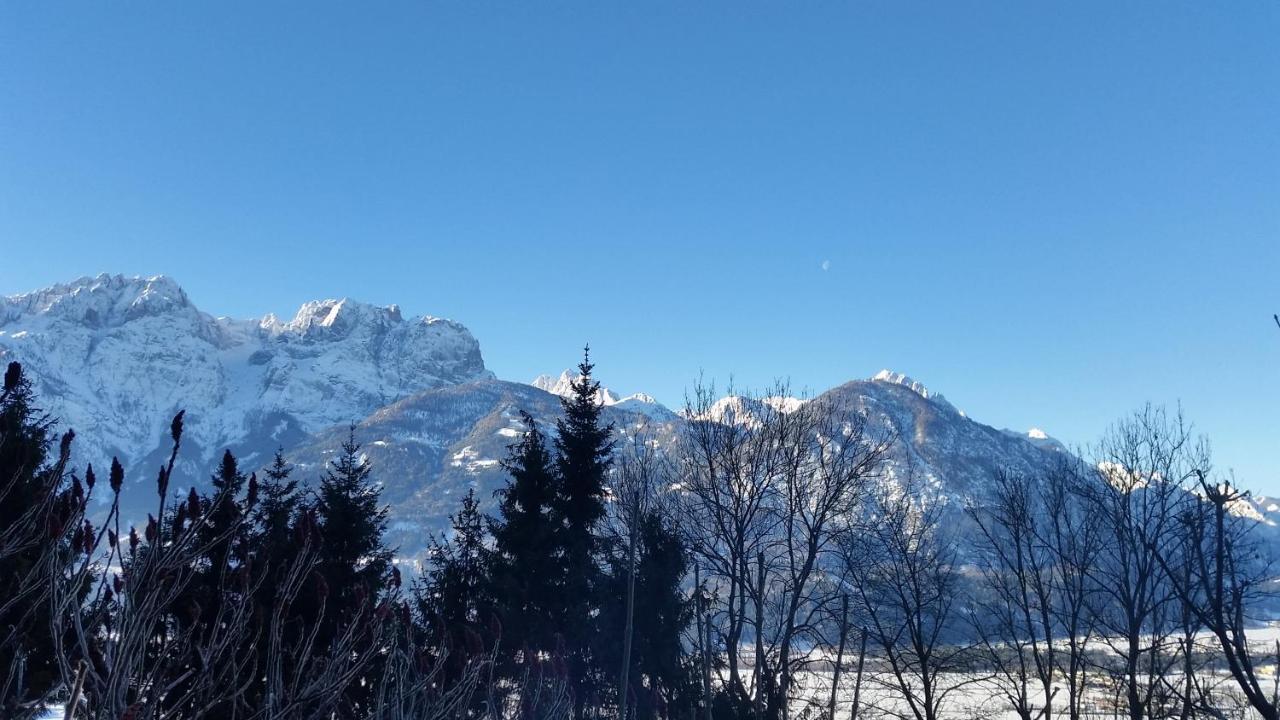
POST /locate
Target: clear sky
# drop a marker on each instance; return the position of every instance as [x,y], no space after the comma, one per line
[1050,212]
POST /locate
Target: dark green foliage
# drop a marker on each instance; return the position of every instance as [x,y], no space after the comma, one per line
[34,504]
[525,574]
[225,531]
[198,598]
[454,596]
[355,565]
[273,515]
[584,448]
[274,550]
[219,584]
[352,520]
[453,600]
[663,681]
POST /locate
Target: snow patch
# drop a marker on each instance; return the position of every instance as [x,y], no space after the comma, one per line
[115,356]
[470,460]
[637,402]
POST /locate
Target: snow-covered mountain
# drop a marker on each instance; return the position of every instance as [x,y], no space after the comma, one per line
[945,448]
[637,402]
[115,357]
[430,448]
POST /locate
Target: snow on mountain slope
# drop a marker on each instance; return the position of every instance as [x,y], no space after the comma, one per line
[115,357]
[1039,438]
[563,386]
[429,449]
[637,402]
[951,452]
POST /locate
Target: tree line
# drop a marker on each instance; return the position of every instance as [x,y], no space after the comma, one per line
[766,562]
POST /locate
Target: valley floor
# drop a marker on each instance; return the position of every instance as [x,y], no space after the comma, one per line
[971,696]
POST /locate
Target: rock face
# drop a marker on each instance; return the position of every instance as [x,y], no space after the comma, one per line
[637,403]
[431,448]
[115,357]
[946,449]
[428,450]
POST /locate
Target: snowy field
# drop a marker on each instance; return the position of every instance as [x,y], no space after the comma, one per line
[974,696]
[969,696]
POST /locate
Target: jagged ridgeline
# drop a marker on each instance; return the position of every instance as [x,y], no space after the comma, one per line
[115,357]
[584,587]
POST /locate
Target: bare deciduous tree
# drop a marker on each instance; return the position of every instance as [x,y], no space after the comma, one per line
[902,566]
[1142,464]
[1221,573]
[1013,613]
[769,488]
[1072,537]
[639,477]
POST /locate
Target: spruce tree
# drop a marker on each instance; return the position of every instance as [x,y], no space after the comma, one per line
[453,599]
[34,500]
[584,448]
[352,521]
[661,673]
[224,532]
[525,573]
[225,525]
[274,550]
[455,590]
[278,503]
[355,565]
[218,584]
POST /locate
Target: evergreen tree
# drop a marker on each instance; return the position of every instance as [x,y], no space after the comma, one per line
[525,574]
[219,583]
[274,550]
[223,531]
[278,503]
[34,503]
[352,520]
[662,678]
[584,450]
[453,602]
[355,565]
[225,525]
[455,591]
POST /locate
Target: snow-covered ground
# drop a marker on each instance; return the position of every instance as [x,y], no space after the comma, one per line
[975,695]
[969,696]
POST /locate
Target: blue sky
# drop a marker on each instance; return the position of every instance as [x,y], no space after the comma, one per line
[1050,212]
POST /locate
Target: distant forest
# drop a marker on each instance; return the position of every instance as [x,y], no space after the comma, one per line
[765,567]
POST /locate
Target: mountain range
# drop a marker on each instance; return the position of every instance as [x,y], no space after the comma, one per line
[115,357]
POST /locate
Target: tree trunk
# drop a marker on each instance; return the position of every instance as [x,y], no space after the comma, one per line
[624,675]
[857,683]
[704,641]
[835,677]
[759,672]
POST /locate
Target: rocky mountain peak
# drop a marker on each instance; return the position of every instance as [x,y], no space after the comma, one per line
[638,402]
[896,378]
[114,357]
[102,301]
